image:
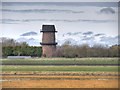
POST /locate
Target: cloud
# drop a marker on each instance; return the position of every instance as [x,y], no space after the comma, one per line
[76,38]
[82,20]
[71,34]
[99,34]
[11,21]
[29,34]
[16,21]
[109,40]
[42,11]
[30,41]
[107,11]
[33,20]
[88,38]
[88,33]
[72,3]
[72,41]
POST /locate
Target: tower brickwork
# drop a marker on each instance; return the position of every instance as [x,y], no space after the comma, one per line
[48,40]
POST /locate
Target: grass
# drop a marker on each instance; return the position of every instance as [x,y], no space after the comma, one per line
[62,61]
[24,68]
[73,68]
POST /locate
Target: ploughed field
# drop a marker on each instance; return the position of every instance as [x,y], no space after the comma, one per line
[72,73]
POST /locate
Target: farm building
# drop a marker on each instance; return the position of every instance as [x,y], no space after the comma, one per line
[18,57]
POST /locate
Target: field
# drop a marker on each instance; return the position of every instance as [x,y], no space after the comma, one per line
[59,68]
[60,73]
[62,61]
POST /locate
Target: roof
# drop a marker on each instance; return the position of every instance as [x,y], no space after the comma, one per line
[18,57]
[48,28]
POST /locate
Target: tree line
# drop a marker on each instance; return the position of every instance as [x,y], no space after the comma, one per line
[72,51]
[12,48]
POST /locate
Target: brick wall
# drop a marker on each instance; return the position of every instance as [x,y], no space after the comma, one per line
[49,50]
[48,37]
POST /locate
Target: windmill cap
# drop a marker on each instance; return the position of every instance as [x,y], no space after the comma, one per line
[48,28]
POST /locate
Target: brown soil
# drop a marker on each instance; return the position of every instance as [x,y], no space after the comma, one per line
[70,73]
[36,81]
[61,84]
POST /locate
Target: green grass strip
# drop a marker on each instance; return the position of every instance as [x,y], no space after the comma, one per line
[24,68]
[63,61]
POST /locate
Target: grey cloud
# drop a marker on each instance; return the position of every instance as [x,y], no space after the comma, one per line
[13,21]
[8,21]
[105,38]
[33,20]
[100,34]
[88,33]
[29,34]
[107,11]
[30,41]
[72,41]
[118,39]
[109,40]
[42,11]
[70,33]
[78,4]
[92,39]
[83,20]
[54,20]
[88,38]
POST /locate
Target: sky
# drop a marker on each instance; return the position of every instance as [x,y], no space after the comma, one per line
[60,0]
[81,22]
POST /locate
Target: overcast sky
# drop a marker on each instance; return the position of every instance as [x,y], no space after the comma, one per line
[22,17]
[59,0]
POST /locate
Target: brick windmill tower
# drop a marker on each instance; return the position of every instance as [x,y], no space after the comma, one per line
[48,40]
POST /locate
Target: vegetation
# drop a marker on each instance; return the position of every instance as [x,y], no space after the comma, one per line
[22,51]
[12,48]
[12,42]
[62,61]
[72,51]
[24,68]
